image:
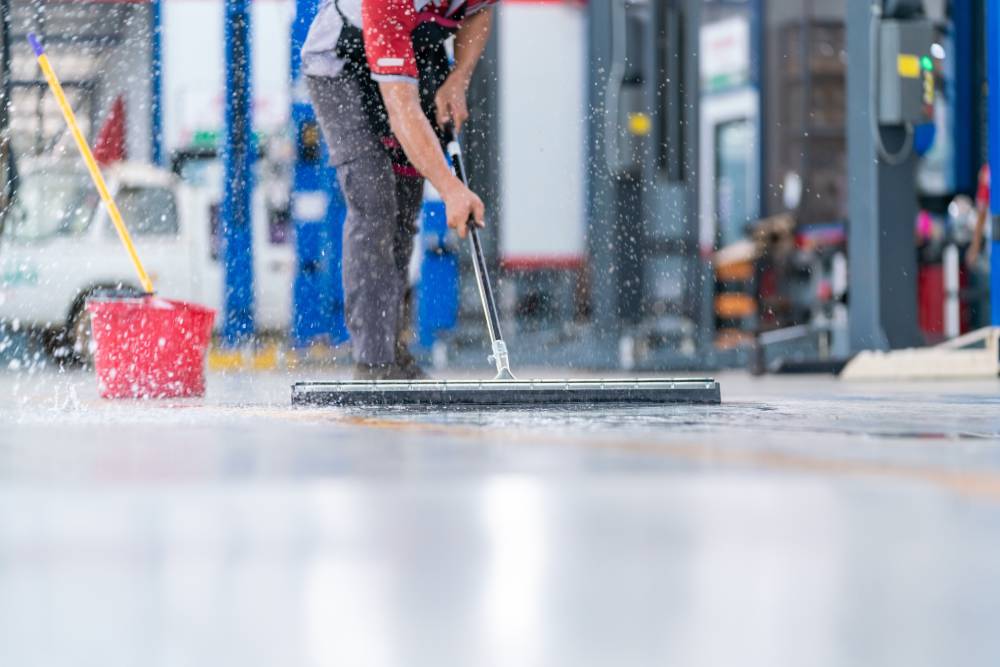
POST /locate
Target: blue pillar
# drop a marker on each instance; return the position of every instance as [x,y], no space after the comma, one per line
[437,293]
[993,67]
[966,70]
[237,245]
[318,212]
[156,80]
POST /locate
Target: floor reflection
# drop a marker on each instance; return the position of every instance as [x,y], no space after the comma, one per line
[694,570]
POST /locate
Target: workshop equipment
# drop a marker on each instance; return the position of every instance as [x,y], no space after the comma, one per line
[504,390]
[146,346]
[975,355]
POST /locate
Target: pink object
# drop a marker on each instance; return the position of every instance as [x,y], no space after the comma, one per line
[148,347]
[925,225]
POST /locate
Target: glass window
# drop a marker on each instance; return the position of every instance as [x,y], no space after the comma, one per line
[148,211]
[50,203]
[734,195]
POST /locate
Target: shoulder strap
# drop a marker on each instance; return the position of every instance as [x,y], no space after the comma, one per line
[336,5]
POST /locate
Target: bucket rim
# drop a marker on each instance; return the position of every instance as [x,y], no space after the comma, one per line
[120,293]
[143,300]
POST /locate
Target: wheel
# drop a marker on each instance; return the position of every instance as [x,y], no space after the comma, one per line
[79,340]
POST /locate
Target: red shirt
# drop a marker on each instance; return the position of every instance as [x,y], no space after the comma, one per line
[389,24]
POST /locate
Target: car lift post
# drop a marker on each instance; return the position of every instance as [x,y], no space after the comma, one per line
[317,211]
[993,73]
[156,80]
[237,250]
[882,194]
[976,354]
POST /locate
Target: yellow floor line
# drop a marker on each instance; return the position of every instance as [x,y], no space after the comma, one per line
[267,358]
[225,360]
[980,485]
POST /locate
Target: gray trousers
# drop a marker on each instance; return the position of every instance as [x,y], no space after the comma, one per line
[382,210]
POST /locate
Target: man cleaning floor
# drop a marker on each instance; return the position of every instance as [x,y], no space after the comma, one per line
[383,88]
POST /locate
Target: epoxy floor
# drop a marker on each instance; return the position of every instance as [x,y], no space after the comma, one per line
[804,522]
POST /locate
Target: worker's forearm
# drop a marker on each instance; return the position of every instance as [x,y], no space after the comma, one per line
[976,246]
[415,134]
[981,218]
[470,42]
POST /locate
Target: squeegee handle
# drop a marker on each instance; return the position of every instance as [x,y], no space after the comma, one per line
[88,158]
[476,245]
[500,357]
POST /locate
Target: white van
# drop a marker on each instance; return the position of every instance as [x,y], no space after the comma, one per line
[57,246]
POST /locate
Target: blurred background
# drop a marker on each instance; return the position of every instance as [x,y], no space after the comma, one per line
[671,185]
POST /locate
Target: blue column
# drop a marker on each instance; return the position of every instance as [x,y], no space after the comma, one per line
[156,80]
[437,294]
[966,73]
[318,212]
[993,67]
[237,246]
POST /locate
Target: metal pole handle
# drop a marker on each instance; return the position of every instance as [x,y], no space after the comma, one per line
[500,356]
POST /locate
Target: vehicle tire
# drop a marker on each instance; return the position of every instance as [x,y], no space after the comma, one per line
[78,339]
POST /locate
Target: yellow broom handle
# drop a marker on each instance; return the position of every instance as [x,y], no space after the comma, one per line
[88,157]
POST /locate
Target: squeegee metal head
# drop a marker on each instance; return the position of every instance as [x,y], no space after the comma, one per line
[516,393]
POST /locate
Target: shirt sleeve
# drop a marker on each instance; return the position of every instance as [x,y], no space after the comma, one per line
[388,28]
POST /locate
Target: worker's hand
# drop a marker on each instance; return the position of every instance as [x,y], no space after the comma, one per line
[462,205]
[450,101]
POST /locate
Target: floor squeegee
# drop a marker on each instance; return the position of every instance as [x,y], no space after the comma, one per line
[504,390]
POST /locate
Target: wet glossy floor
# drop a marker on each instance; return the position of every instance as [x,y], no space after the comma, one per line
[804,522]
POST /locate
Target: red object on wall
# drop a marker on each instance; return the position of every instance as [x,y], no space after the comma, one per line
[930,301]
[110,144]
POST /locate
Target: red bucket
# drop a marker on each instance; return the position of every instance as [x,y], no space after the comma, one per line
[148,347]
